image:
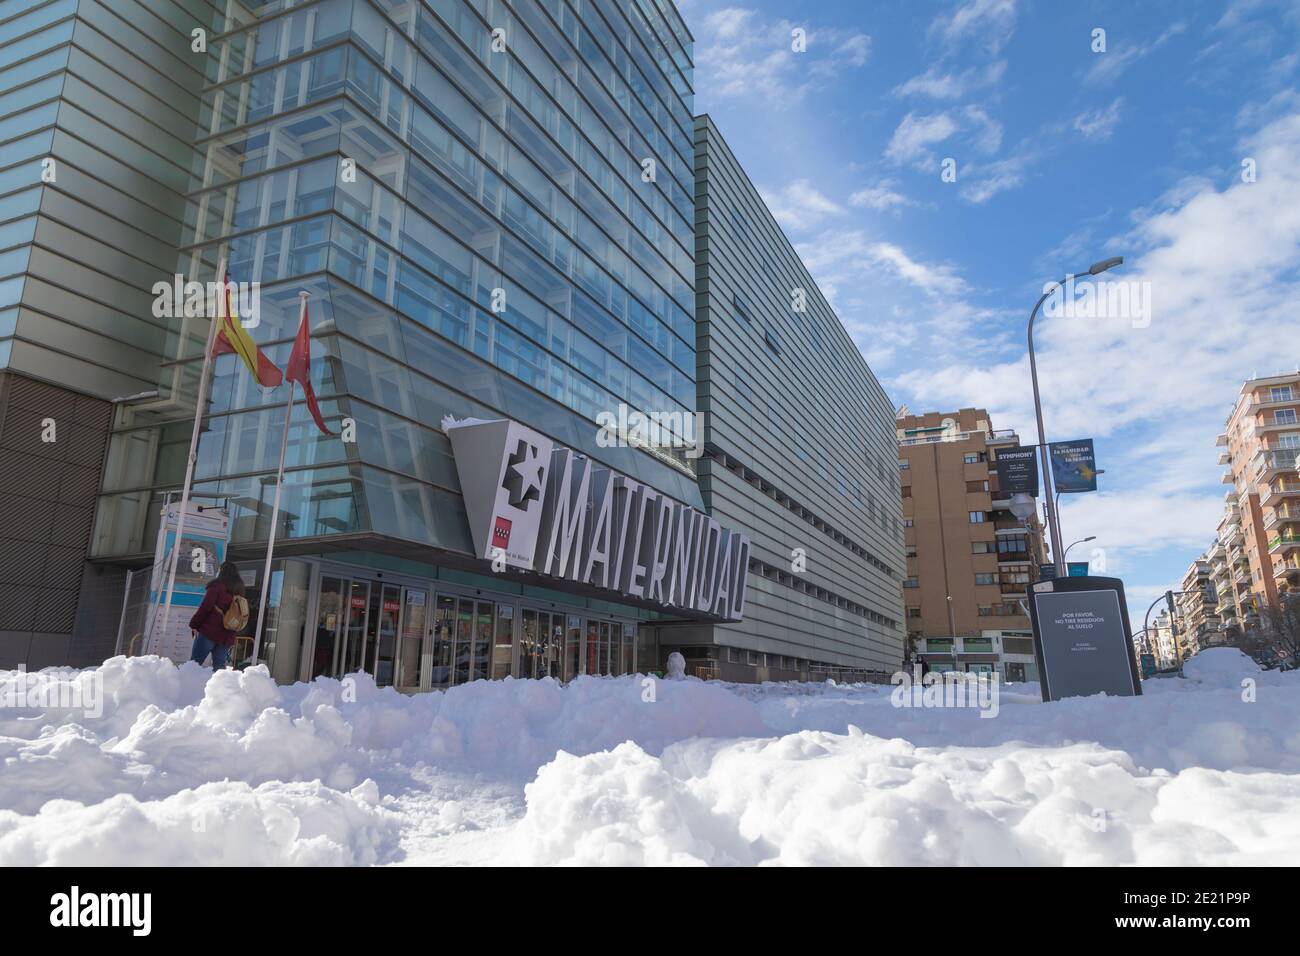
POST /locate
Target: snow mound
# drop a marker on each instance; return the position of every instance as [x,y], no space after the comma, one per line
[217,824]
[143,762]
[1221,667]
[826,800]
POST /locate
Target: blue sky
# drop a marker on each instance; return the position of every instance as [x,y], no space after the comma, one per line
[1063,156]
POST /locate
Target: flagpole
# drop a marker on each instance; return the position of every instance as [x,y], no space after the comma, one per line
[204,379]
[275,509]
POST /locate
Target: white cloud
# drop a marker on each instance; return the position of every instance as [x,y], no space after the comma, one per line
[915,135]
[799,206]
[930,278]
[1099,124]
[1121,54]
[980,183]
[881,197]
[986,131]
[741,53]
[989,22]
[940,85]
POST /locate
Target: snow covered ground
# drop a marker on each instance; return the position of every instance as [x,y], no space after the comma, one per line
[183,767]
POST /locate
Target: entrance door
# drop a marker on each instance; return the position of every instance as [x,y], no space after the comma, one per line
[385,611]
[414,642]
[342,627]
[350,656]
[462,640]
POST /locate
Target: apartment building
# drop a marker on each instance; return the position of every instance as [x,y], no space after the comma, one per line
[970,561]
[1198,605]
[1256,554]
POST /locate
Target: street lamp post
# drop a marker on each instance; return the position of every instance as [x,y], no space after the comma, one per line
[1091,537]
[1054,517]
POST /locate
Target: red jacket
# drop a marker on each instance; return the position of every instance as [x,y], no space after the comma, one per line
[208,619]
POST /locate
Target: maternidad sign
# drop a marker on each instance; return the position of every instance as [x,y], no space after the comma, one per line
[538,507]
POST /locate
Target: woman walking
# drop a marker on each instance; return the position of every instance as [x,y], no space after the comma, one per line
[220,617]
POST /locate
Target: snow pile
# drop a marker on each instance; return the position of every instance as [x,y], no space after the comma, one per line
[142,762]
[1223,667]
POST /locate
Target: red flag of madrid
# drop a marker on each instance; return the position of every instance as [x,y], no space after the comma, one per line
[299,367]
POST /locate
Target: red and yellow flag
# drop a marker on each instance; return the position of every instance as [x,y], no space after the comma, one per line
[233,337]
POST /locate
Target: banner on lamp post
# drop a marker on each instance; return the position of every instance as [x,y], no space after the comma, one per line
[1074,467]
[1017,470]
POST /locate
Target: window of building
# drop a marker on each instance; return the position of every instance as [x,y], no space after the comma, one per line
[904,464]
[1289,440]
[973,458]
[977,486]
[773,341]
[1013,544]
[1280,393]
[907,522]
[913,612]
[907,491]
[977,517]
[977,645]
[1015,579]
[911,583]
[981,547]
[733,655]
[742,306]
[938,644]
[911,550]
[985,579]
[1284,416]
[985,610]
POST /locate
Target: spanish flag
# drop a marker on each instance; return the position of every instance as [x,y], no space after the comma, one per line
[233,337]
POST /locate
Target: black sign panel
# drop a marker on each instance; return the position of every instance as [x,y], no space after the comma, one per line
[1017,470]
[1082,639]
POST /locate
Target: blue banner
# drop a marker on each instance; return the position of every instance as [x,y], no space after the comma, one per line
[1074,467]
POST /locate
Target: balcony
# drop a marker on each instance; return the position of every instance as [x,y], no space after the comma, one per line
[1279,491]
[1283,543]
[1226,478]
[1287,572]
[1269,463]
[1264,428]
[1258,403]
[1282,516]
[1225,459]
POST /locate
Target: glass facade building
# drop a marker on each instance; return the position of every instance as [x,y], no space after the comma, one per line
[496,208]
[98,105]
[491,205]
